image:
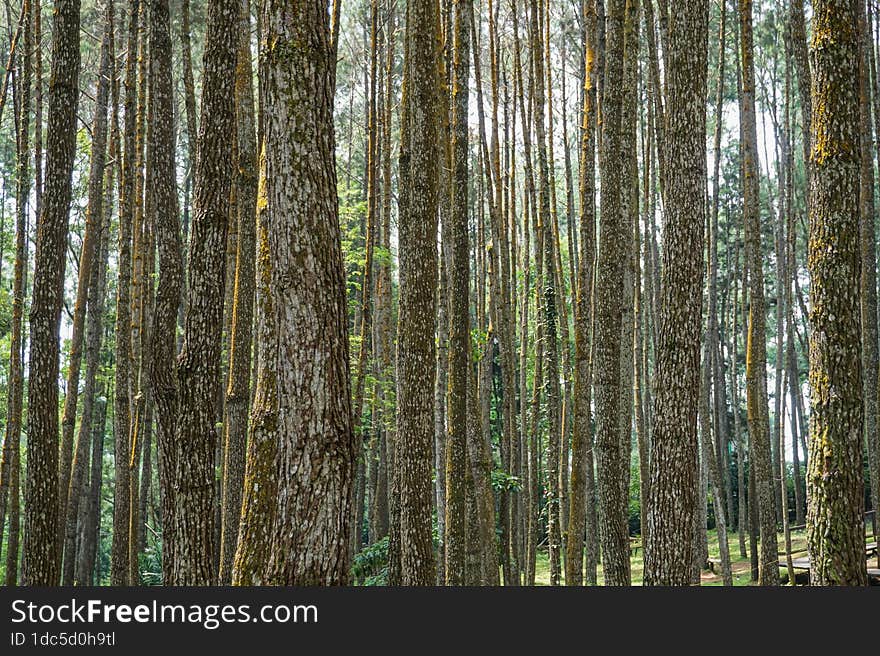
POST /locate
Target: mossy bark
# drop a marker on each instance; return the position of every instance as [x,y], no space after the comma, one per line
[238,390]
[835,487]
[160,166]
[756,345]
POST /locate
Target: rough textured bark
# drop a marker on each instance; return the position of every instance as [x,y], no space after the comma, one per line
[549,318]
[260,482]
[41,493]
[630,202]
[802,65]
[310,536]
[416,360]
[142,298]
[711,459]
[674,445]
[90,246]
[198,371]
[479,481]
[383,320]
[238,389]
[582,438]
[364,321]
[189,86]
[756,348]
[835,489]
[459,296]
[160,164]
[86,573]
[608,310]
[9,460]
[121,400]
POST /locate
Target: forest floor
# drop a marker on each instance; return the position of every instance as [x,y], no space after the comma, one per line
[740,566]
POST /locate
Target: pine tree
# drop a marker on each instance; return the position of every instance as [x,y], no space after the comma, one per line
[835,487]
[41,529]
[674,446]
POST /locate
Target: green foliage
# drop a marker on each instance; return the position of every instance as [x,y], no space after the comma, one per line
[478,343]
[370,566]
[502,481]
[150,566]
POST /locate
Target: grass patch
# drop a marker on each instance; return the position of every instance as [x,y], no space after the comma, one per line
[740,566]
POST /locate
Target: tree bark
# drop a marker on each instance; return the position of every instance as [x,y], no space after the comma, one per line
[756,358]
[459,303]
[674,445]
[41,494]
[198,372]
[70,479]
[582,438]
[416,358]
[238,389]
[835,489]
[79,487]
[311,531]
[160,164]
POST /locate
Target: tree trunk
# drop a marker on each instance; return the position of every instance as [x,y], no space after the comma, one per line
[835,489]
[41,528]
[674,447]
[416,359]
[756,358]
[551,359]
[459,306]
[79,488]
[238,388]
[72,465]
[309,370]
[608,310]
[198,372]
[868,305]
[86,573]
[160,164]
[10,458]
[582,438]
[261,478]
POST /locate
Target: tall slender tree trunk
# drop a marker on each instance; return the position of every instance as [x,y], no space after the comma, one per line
[608,309]
[582,434]
[868,305]
[238,388]
[123,344]
[551,360]
[160,164]
[10,460]
[756,348]
[198,372]
[86,573]
[416,358]
[261,478]
[41,494]
[459,298]
[69,480]
[79,487]
[189,85]
[835,488]
[674,445]
[739,440]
